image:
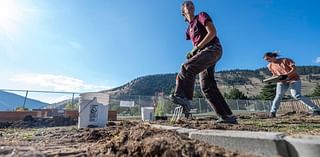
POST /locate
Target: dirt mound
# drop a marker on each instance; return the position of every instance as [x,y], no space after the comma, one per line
[143,141]
[119,139]
[135,138]
[30,122]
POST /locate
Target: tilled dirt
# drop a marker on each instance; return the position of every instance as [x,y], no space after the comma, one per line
[30,122]
[117,139]
[290,123]
[34,137]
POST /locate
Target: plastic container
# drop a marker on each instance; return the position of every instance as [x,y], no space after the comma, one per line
[147,113]
[93,110]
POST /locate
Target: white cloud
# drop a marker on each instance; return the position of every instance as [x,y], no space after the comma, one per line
[318,60]
[48,82]
[55,83]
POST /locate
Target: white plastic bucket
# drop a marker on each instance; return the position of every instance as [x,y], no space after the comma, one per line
[147,113]
[93,110]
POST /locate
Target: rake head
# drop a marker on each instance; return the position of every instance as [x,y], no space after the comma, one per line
[177,114]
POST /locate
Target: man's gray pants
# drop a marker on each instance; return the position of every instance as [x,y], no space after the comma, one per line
[203,63]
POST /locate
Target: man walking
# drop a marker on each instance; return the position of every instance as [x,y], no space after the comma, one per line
[202,59]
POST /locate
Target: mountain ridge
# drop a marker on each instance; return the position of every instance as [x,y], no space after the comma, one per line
[247,81]
[10,101]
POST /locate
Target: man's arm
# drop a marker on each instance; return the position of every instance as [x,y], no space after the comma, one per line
[210,35]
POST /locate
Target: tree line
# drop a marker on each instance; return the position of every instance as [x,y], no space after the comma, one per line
[268,92]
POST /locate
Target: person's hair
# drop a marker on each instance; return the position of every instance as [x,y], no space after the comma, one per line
[271,54]
[185,3]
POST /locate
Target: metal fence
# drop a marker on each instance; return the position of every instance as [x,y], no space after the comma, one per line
[10,99]
[200,105]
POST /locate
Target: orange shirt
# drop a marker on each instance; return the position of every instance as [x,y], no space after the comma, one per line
[282,66]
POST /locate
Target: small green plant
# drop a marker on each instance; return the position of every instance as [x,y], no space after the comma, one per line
[160,108]
[21,108]
[27,136]
[11,130]
[70,106]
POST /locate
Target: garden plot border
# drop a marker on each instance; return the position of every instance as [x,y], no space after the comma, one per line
[259,143]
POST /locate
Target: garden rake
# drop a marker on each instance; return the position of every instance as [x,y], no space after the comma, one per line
[176,114]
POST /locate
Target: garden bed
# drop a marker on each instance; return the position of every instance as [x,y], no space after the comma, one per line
[118,139]
[35,137]
[290,123]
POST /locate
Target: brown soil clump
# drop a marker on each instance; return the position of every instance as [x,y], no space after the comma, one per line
[30,122]
[117,139]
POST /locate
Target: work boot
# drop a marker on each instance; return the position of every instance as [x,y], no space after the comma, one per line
[316,113]
[272,115]
[188,115]
[227,119]
[184,102]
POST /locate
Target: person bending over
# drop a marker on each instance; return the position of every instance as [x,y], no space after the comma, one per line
[288,78]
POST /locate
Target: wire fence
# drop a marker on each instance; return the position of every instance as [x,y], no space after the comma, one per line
[34,100]
[200,105]
[10,99]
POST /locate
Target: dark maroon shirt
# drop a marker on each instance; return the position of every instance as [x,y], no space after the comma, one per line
[196,30]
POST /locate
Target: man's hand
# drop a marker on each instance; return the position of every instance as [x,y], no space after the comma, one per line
[192,52]
[283,77]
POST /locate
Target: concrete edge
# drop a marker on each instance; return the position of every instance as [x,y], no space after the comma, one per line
[259,143]
[303,146]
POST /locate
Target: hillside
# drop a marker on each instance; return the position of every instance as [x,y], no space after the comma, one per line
[247,81]
[9,101]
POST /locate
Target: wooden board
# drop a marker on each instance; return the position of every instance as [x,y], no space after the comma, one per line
[272,79]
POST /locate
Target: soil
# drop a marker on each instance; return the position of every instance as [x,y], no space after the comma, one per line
[117,139]
[36,137]
[30,122]
[291,123]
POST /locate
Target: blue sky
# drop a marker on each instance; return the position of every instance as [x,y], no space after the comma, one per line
[89,45]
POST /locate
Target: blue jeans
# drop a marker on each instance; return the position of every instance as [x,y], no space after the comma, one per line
[295,90]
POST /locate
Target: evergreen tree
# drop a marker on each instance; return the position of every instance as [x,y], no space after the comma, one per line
[235,94]
[163,106]
[160,107]
[316,91]
[197,93]
[268,92]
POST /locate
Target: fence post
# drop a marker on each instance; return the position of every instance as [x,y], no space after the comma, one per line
[237,104]
[72,101]
[139,105]
[25,99]
[72,98]
[199,105]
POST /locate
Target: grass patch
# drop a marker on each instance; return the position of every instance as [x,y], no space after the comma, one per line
[281,125]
